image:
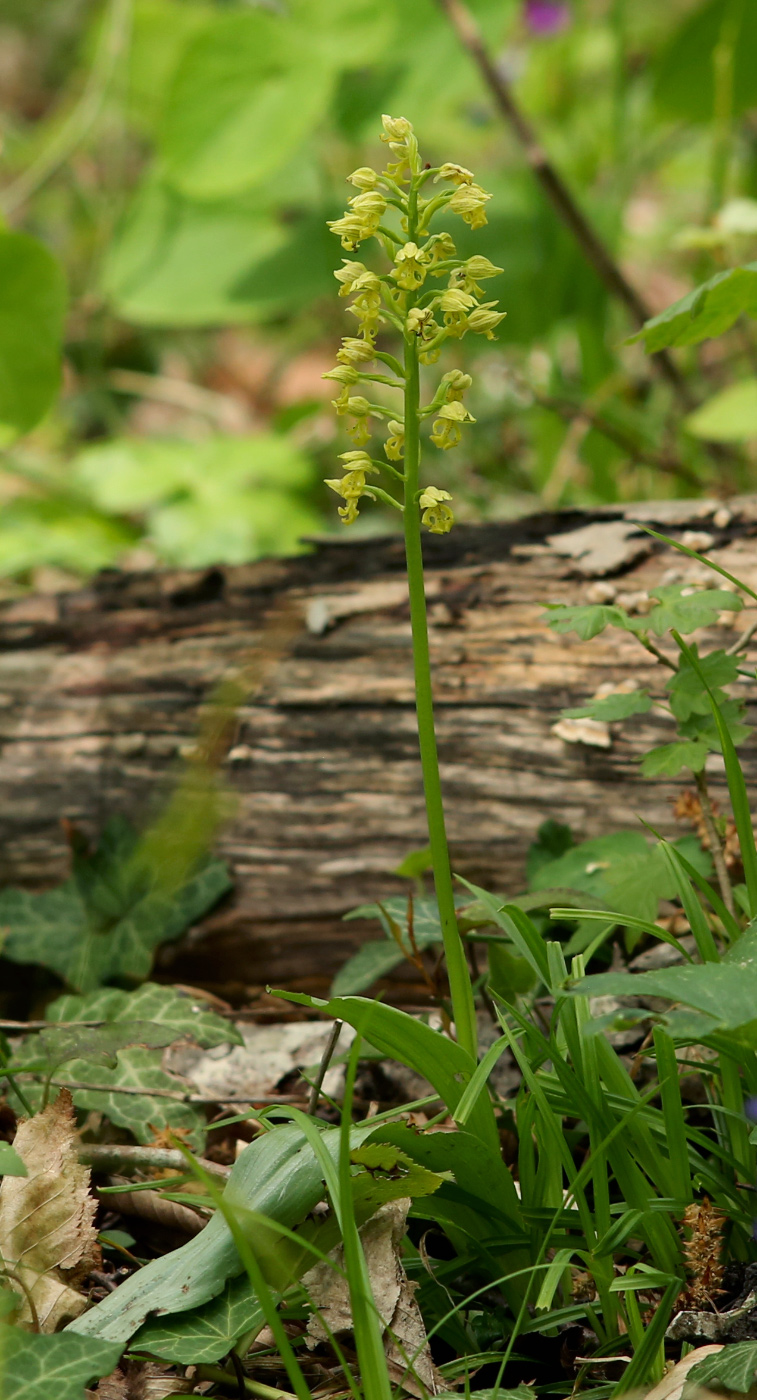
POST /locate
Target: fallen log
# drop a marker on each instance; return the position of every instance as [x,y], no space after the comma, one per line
[101,690]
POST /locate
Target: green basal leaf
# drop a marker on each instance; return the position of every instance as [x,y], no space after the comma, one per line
[730,416]
[36,1367]
[586,620]
[31,327]
[668,760]
[613,707]
[707,311]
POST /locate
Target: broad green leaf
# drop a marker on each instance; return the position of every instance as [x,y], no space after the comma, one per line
[208,1332]
[346,33]
[178,263]
[36,1367]
[445,1064]
[160,30]
[58,530]
[106,921]
[586,620]
[705,728]
[730,416]
[553,839]
[224,499]
[10,1162]
[684,82]
[668,760]
[622,871]
[733,1368]
[687,694]
[277,1176]
[684,611]
[370,962]
[726,991]
[708,311]
[246,92]
[32,308]
[98,1045]
[613,707]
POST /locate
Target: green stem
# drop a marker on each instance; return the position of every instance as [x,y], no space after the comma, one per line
[461,992]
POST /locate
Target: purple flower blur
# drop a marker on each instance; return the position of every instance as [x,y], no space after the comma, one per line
[546,16]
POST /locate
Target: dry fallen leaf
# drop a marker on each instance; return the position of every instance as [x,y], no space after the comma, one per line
[141,1380]
[672,1384]
[47,1236]
[405,1335]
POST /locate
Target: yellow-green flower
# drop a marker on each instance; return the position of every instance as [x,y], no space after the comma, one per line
[419,318]
[358,408]
[469,202]
[395,445]
[350,229]
[348,274]
[355,352]
[484,320]
[446,431]
[400,137]
[473,271]
[456,173]
[455,304]
[410,266]
[352,485]
[440,247]
[455,384]
[435,514]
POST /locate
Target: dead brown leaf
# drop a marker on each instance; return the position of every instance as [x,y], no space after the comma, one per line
[141,1380]
[405,1343]
[47,1236]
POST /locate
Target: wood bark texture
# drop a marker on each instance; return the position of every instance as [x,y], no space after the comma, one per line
[102,690]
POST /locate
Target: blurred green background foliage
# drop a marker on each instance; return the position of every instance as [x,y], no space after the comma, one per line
[168,168]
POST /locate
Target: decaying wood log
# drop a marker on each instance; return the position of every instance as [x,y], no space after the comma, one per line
[100,691]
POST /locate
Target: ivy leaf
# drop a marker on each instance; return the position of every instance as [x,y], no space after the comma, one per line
[141,1113]
[685,612]
[707,311]
[31,328]
[587,620]
[667,760]
[613,707]
[99,1045]
[207,1332]
[687,694]
[181,1015]
[35,1366]
[733,1368]
[106,921]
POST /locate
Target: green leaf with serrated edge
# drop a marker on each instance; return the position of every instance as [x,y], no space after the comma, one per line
[613,707]
[10,1162]
[685,612]
[445,1064]
[706,730]
[587,620]
[36,1367]
[183,1015]
[730,416]
[725,991]
[687,694]
[733,1368]
[553,839]
[277,1176]
[707,311]
[31,328]
[667,760]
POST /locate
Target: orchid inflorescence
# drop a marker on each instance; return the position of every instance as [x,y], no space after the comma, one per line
[426,319]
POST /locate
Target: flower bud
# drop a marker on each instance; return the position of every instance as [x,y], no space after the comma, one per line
[484,321]
[344,374]
[355,352]
[365,178]
[473,271]
[455,383]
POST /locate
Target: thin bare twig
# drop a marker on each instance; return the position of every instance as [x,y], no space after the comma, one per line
[671,466]
[317,1085]
[743,640]
[555,188]
[126,1158]
[176,1094]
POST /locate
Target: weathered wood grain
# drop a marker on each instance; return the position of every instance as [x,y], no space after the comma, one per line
[100,692]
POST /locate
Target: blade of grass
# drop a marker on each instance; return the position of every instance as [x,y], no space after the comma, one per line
[672,1111]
